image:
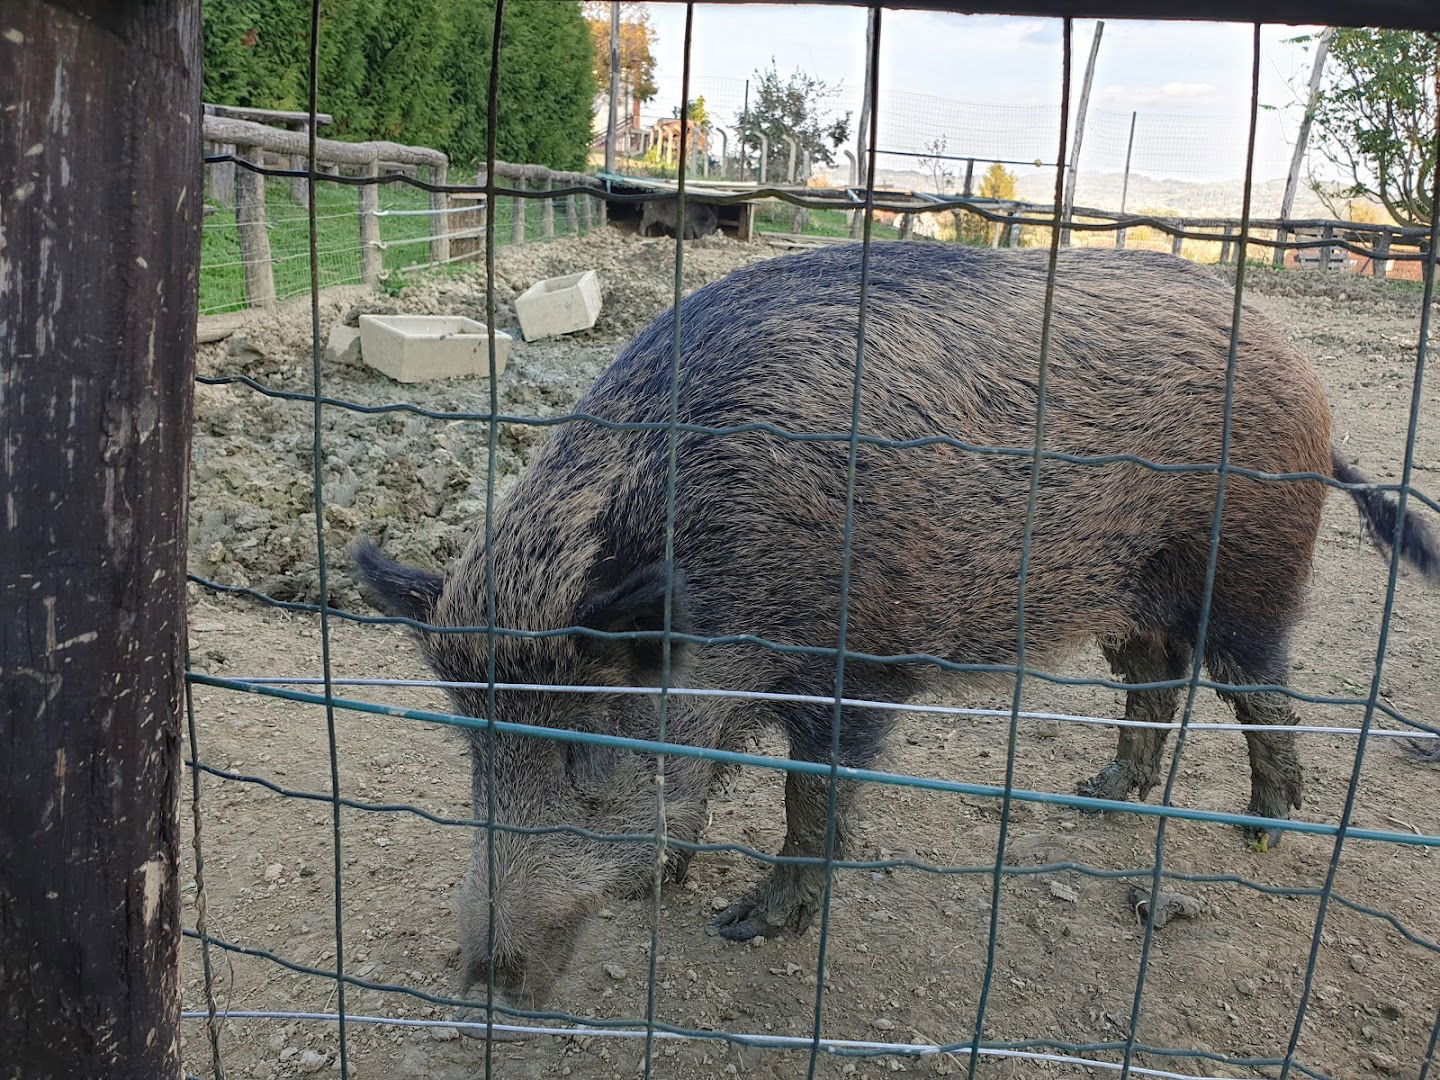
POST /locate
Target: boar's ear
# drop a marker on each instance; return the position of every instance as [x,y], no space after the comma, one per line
[394,588]
[636,603]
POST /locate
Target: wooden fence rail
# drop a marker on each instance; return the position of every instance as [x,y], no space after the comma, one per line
[457,220]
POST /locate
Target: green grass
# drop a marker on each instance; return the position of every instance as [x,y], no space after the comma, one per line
[222,277]
[776,216]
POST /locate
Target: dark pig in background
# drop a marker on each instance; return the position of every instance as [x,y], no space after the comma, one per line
[1137,366]
[657,218]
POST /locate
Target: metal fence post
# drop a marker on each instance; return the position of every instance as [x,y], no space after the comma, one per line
[103,238]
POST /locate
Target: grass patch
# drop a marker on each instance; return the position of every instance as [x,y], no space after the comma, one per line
[403,232]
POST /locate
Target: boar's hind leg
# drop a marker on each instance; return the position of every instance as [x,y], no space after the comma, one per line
[1137,760]
[790,897]
[1275,775]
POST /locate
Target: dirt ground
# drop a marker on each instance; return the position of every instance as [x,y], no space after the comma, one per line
[907,949]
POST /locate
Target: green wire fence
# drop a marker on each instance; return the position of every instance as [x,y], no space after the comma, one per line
[1113,1056]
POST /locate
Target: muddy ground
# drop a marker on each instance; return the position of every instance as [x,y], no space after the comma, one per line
[907,949]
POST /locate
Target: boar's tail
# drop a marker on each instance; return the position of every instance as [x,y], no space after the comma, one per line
[1379,514]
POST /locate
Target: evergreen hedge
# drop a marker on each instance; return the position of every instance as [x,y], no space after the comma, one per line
[415,71]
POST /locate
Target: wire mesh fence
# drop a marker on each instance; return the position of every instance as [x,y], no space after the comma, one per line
[399,231]
[657,627]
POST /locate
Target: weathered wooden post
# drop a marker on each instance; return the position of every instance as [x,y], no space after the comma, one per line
[1176,244]
[250,227]
[1225,247]
[220,177]
[547,206]
[439,216]
[587,207]
[572,213]
[1381,256]
[372,253]
[98,314]
[517,220]
[298,190]
[1328,234]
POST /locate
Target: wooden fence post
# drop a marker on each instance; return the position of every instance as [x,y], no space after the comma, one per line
[1281,235]
[587,207]
[439,216]
[1328,234]
[298,184]
[517,219]
[250,227]
[1381,256]
[220,177]
[602,211]
[372,254]
[572,213]
[1176,244]
[1226,249]
[103,242]
[547,208]
[1120,239]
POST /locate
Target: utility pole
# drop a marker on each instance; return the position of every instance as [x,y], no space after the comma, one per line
[1302,139]
[614,85]
[1069,207]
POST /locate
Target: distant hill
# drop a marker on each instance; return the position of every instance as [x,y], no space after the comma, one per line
[1182,197]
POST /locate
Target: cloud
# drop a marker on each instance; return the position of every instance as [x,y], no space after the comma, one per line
[1174,94]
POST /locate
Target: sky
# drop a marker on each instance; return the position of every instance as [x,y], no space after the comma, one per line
[988,83]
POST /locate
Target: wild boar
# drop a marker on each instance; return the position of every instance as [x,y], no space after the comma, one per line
[658,217]
[1137,367]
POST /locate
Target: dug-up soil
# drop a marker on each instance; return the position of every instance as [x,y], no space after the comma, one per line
[907,949]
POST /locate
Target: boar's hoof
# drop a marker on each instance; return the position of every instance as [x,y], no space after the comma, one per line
[1272,796]
[1111,782]
[677,864]
[785,901]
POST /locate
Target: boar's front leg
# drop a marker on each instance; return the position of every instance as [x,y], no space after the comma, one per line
[789,898]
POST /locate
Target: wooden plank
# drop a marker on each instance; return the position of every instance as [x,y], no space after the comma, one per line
[267,116]
[1400,14]
[102,236]
[279,141]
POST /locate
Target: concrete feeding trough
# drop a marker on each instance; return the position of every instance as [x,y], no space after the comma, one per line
[560,305]
[416,348]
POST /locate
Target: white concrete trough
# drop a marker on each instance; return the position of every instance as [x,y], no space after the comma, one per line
[560,305]
[416,348]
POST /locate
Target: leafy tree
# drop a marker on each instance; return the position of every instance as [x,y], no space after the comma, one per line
[637,40]
[795,106]
[1376,118]
[997,182]
[696,112]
